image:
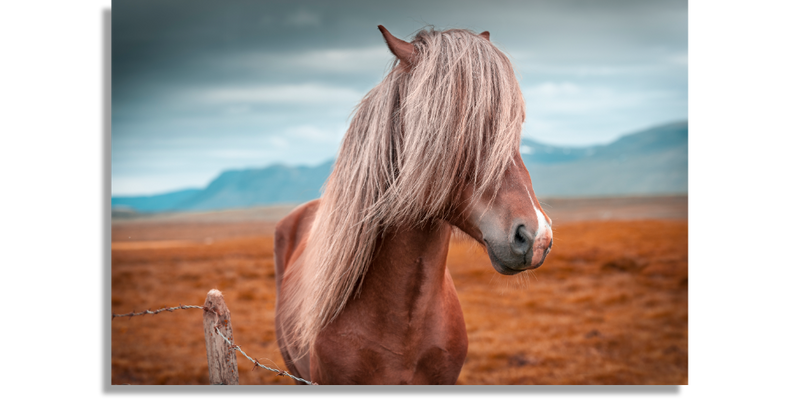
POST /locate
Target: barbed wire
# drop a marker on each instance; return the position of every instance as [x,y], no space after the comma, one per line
[255,362]
[149,312]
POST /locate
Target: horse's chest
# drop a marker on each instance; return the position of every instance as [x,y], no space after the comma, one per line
[418,354]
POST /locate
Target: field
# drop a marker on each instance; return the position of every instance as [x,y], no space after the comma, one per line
[609,306]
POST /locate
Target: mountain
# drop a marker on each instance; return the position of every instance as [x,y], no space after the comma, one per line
[275,184]
[270,185]
[653,161]
[162,202]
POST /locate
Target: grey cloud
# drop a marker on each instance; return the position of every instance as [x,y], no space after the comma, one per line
[281,77]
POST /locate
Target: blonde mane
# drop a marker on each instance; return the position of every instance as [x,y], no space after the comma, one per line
[415,141]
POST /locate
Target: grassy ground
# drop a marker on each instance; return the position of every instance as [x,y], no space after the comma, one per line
[609,306]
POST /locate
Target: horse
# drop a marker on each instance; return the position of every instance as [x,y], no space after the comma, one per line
[364,295]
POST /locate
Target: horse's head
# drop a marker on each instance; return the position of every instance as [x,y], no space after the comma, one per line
[461,111]
[510,224]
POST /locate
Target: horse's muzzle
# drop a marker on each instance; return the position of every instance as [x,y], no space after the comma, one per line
[524,250]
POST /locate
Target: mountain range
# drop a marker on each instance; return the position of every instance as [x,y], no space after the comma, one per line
[649,162]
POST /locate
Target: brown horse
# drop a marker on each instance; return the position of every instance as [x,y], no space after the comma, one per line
[364,295]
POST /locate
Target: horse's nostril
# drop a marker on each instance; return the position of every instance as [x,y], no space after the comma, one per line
[522,241]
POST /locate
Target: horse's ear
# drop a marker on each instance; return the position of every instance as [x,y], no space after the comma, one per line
[485,35]
[402,49]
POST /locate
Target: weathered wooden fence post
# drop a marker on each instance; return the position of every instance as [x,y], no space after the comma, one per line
[222,367]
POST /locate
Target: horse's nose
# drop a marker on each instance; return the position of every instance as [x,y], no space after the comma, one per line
[521,240]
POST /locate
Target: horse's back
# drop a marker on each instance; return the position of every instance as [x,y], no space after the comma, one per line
[289,233]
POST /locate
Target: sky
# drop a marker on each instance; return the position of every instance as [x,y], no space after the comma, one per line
[200,86]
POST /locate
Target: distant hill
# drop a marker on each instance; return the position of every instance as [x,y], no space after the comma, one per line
[275,184]
[653,161]
[649,162]
[162,202]
[270,185]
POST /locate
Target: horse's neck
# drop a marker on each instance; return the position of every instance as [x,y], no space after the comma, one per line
[408,268]
[406,324]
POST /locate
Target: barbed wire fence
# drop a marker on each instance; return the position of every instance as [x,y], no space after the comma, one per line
[222,366]
[149,312]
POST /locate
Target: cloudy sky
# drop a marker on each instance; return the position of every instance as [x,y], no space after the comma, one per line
[203,86]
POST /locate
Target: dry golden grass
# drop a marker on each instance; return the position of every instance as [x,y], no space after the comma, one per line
[609,306]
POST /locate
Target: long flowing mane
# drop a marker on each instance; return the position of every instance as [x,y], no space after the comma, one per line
[415,141]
